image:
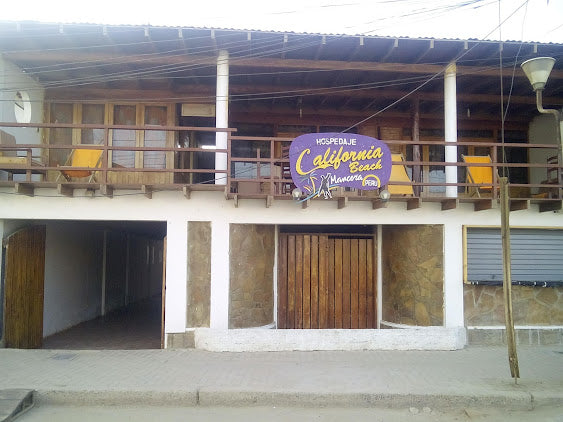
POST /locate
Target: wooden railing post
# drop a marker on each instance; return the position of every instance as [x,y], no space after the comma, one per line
[495,173]
[228,187]
[105,159]
[272,185]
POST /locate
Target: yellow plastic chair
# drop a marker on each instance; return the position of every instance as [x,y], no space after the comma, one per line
[399,174]
[91,158]
[479,175]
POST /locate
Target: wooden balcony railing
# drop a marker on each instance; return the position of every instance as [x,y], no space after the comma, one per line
[258,168]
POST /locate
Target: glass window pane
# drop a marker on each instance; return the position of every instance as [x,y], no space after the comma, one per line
[155,116]
[60,113]
[93,114]
[437,173]
[124,115]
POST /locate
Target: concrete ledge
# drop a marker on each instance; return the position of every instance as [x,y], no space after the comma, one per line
[208,396]
[263,340]
[496,336]
[180,340]
[116,397]
[514,400]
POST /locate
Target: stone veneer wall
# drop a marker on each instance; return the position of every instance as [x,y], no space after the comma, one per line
[413,274]
[484,305]
[199,274]
[252,253]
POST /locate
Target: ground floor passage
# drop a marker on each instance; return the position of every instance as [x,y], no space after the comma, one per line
[134,327]
[82,284]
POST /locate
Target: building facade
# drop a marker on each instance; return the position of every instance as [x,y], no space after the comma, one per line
[188,201]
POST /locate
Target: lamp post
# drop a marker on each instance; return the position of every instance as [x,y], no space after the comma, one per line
[537,70]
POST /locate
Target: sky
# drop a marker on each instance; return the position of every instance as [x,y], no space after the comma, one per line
[526,20]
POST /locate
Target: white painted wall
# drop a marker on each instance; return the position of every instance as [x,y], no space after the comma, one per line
[453,275]
[542,130]
[220,238]
[73,273]
[212,206]
[176,273]
[13,79]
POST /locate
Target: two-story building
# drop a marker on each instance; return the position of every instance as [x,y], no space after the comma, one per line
[147,168]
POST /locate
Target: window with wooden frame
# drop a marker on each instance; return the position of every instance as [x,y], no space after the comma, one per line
[73,114]
[119,114]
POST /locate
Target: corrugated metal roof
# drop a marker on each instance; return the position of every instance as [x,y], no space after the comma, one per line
[318,34]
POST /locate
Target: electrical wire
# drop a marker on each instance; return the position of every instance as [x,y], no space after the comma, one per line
[433,76]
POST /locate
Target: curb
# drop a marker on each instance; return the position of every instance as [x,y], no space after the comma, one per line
[224,398]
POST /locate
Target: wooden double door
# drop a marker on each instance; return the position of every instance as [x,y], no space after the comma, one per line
[326,281]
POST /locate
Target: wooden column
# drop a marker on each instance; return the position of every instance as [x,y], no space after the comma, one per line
[507,279]
[416,173]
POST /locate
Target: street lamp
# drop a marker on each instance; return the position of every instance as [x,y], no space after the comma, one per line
[537,70]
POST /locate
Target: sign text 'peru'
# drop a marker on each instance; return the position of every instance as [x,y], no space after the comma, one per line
[320,162]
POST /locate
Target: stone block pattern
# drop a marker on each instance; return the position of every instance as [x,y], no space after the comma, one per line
[413,274]
[484,305]
[199,273]
[252,253]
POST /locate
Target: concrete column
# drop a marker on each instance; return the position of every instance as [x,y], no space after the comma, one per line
[450,126]
[176,276]
[219,313]
[453,275]
[222,114]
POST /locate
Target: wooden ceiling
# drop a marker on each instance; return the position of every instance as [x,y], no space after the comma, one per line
[278,72]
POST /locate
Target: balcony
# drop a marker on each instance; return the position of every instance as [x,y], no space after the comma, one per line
[258,167]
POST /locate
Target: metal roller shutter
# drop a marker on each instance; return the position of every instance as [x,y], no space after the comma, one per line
[537,256]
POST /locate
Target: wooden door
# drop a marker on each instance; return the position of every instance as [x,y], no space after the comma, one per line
[24,278]
[326,282]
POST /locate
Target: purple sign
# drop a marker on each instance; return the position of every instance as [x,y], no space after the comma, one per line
[320,162]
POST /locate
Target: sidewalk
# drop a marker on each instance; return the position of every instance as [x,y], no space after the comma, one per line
[475,377]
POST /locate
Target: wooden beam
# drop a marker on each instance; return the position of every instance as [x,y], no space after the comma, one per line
[449,204]
[519,204]
[550,205]
[331,90]
[356,50]
[65,190]
[269,201]
[413,203]
[391,50]
[187,192]
[378,203]
[416,156]
[147,191]
[60,57]
[106,190]
[425,52]
[342,202]
[483,204]
[24,189]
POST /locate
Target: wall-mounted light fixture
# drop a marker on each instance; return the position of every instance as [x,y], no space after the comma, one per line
[537,70]
[296,193]
[384,195]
